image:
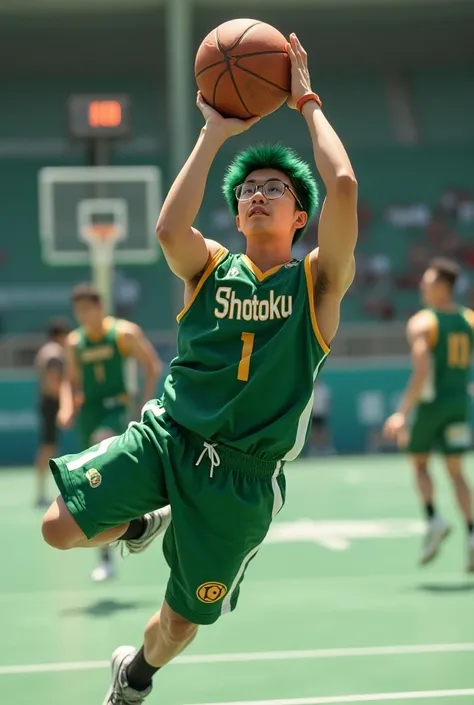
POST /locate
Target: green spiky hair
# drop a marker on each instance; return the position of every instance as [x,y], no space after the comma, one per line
[273,156]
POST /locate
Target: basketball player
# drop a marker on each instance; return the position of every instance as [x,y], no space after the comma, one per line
[441,340]
[253,334]
[49,364]
[95,388]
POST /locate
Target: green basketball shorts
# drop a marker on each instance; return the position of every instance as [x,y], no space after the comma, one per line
[222,501]
[442,426]
[97,417]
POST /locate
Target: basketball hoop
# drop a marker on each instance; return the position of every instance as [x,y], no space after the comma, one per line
[102,239]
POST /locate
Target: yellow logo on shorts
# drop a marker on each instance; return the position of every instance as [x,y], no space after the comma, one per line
[94,477]
[211,592]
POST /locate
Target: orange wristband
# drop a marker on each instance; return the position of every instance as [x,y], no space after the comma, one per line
[306,98]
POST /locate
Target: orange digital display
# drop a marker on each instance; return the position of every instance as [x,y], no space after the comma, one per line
[93,116]
[105,113]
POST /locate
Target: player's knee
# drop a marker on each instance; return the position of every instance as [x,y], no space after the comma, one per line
[175,628]
[454,466]
[421,466]
[58,528]
[456,476]
[54,536]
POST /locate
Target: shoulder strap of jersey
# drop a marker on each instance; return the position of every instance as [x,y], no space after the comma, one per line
[120,340]
[430,320]
[212,264]
[310,290]
[468,314]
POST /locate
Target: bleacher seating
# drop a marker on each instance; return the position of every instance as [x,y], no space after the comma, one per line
[388,175]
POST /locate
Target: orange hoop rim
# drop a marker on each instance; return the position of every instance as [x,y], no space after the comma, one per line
[103,233]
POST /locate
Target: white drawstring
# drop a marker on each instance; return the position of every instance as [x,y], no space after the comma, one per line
[212,454]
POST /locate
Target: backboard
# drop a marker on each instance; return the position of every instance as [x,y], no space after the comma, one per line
[72,200]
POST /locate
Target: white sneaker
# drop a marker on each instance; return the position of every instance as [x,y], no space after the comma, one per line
[437,531]
[104,571]
[155,524]
[120,693]
[470,553]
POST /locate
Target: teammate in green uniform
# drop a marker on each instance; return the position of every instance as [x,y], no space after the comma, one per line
[95,392]
[252,337]
[441,339]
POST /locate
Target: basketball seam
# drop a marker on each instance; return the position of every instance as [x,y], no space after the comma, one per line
[226,60]
[225,53]
[232,78]
[218,44]
[258,53]
[237,41]
[211,66]
[216,84]
[265,80]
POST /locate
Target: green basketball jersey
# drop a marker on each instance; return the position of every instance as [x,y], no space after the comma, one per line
[452,339]
[103,367]
[249,350]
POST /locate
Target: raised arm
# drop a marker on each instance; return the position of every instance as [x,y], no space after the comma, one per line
[333,262]
[337,232]
[184,247]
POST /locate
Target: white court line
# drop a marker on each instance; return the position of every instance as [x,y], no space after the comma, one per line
[367,698]
[313,654]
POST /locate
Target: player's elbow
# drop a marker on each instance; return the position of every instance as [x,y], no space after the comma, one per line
[163,233]
[345,184]
[337,276]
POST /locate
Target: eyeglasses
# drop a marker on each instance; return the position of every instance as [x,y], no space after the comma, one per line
[271,189]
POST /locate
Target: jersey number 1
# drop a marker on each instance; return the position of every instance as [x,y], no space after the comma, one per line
[248,340]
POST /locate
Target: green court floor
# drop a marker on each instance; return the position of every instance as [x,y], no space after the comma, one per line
[333,610]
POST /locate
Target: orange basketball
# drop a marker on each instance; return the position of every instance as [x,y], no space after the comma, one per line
[242,69]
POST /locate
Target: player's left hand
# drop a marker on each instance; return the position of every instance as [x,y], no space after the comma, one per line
[227,127]
[394,426]
[300,79]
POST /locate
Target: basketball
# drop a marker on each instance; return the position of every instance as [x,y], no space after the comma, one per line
[243,70]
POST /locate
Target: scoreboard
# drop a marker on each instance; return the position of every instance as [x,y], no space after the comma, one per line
[96,116]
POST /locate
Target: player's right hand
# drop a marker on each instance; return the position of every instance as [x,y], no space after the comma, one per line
[227,127]
[65,418]
[300,78]
[394,426]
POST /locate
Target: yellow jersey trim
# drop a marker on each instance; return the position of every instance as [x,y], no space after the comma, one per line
[107,325]
[121,342]
[258,272]
[468,314]
[433,332]
[210,267]
[310,287]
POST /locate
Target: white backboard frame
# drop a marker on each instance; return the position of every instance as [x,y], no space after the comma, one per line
[49,176]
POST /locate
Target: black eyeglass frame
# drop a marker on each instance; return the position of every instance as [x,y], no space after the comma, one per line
[262,186]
